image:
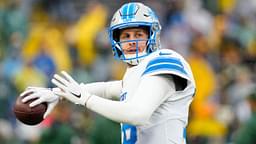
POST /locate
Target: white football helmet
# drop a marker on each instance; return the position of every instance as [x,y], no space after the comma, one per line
[131,15]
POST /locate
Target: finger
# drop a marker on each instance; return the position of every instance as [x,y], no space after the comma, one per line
[58,84]
[36,102]
[30,97]
[68,76]
[50,107]
[61,79]
[48,111]
[33,87]
[26,92]
[61,93]
[67,96]
[56,89]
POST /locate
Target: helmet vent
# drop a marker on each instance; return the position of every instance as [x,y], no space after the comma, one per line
[146,15]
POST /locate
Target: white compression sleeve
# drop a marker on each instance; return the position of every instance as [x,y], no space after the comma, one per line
[151,92]
[109,90]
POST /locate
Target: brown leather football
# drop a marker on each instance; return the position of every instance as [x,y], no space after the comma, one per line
[28,115]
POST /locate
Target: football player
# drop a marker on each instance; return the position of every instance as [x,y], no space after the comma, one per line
[155,92]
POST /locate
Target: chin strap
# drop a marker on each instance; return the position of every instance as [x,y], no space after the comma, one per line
[135,60]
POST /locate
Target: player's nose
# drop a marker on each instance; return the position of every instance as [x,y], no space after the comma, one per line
[132,43]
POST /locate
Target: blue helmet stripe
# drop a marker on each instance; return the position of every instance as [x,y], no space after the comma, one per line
[128,11]
[125,11]
[165,67]
[131,11]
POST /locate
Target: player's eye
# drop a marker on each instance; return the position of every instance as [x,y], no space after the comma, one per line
[124,36]
[140,35]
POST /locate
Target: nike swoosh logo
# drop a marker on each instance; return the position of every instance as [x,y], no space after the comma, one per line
[77,95]
[163,53]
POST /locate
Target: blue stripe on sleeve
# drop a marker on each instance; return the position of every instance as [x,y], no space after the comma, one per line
[165,64]
[161,67]
[165,60]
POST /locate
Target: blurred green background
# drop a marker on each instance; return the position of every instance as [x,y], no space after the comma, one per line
[41,37]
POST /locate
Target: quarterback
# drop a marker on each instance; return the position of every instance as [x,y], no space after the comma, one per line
[154,94]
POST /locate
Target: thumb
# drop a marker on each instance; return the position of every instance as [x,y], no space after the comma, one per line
[50,108]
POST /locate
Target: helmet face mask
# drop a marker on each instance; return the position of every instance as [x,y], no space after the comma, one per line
[134,15]
[139,51]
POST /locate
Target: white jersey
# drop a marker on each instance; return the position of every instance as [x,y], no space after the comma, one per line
[169,120]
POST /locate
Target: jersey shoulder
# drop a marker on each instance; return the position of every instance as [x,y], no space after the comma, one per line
[166,61]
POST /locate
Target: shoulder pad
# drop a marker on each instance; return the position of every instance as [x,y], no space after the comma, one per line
[166,64]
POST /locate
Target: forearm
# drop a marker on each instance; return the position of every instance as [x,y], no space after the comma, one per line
[118,111]
[138,110]
[108,90]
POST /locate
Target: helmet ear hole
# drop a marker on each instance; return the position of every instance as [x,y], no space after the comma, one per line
[155,27]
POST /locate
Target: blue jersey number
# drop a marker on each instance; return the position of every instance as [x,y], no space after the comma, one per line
[129,133]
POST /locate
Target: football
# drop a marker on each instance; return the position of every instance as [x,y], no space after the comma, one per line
[28,115]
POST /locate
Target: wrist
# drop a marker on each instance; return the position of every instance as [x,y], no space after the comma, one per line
[85,98]
[88,100]
[56,89]
[87,103]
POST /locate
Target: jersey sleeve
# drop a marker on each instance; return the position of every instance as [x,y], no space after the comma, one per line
[168,65]
[109,90]
[151,92]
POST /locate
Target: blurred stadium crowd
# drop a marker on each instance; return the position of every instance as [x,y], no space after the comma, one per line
[41,37]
